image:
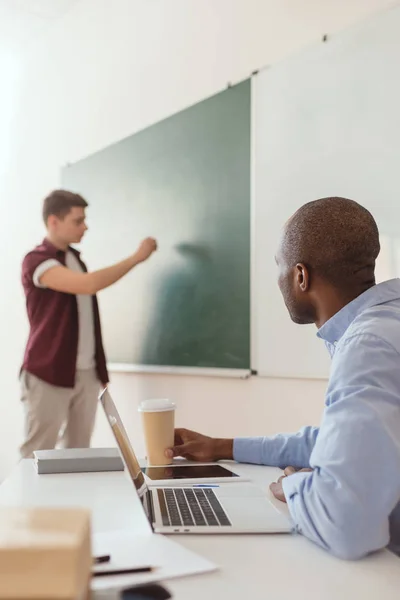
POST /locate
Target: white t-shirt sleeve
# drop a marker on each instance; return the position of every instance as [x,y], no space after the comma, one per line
[42,268]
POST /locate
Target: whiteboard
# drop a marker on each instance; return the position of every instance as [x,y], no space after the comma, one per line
[325,123]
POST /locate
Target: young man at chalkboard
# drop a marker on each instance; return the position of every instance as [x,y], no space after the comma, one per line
[342,479]
[64,363]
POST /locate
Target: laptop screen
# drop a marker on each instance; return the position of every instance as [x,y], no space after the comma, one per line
[127,453]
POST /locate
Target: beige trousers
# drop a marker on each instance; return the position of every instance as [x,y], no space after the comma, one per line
[55,413]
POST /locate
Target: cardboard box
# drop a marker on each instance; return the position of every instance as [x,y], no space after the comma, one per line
[45,554]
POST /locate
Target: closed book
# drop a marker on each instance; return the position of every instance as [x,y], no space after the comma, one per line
[77,460]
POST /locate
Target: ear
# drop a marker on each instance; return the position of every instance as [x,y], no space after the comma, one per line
[302,277]
[52,221]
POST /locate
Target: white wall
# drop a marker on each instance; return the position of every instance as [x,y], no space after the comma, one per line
[103,71]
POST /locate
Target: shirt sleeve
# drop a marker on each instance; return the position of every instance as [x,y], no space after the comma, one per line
[344,505]
[279,451]
[42,268]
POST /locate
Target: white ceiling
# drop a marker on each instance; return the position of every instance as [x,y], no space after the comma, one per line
[23,20]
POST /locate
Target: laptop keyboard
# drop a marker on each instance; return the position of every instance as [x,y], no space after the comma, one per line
[191,507]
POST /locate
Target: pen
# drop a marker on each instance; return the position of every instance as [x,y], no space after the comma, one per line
[205,485]
[122,571]
[101,559]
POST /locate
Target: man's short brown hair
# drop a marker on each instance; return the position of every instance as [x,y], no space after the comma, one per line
[60,202]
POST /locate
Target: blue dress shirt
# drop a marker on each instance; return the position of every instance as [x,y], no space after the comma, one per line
[350,503]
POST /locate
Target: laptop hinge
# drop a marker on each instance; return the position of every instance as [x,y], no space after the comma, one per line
[150,508]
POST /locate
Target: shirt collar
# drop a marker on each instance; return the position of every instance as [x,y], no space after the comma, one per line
[50,247]
[337,325]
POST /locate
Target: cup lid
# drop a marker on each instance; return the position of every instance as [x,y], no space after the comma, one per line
[156,405]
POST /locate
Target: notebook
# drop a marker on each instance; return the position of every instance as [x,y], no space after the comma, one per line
[77,460]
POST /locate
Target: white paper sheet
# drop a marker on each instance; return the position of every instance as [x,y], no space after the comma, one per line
[128,550]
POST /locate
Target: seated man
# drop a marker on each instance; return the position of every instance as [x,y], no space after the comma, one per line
[348,498]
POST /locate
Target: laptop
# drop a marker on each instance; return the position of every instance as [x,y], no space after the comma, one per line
[227,508]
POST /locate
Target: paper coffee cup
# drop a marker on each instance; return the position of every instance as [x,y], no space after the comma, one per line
[158,418]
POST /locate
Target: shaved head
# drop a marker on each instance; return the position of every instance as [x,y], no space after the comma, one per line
[333,242]
[336,238]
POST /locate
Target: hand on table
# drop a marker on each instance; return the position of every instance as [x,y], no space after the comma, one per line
[277,488]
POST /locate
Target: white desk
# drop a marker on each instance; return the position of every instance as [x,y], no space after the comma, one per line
[251,567]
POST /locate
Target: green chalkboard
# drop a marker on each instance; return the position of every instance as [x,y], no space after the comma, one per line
[186,181]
